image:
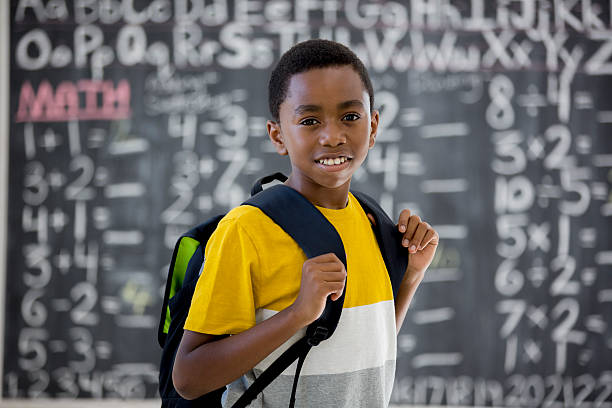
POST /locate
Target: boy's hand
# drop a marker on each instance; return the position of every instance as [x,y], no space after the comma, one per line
[420,239]
[322,276]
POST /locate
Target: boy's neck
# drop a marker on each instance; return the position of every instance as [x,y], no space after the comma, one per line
[333,198]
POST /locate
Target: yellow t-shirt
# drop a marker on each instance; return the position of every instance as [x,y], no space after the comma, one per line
[253,270]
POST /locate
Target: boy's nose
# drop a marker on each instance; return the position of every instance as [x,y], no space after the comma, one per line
[332,136]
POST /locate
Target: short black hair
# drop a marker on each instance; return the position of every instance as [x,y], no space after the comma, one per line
[309,55]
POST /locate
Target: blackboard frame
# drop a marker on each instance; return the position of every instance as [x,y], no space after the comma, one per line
[4,159]
[497,137]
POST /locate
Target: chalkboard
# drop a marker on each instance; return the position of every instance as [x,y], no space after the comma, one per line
[132,121]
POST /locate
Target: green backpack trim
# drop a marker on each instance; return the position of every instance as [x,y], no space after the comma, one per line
[186,248]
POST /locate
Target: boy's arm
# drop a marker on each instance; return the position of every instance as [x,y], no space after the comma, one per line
[205,363]
[421,240]
[406,291]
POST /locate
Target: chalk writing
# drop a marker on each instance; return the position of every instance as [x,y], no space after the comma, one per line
[63,104]
[134,121]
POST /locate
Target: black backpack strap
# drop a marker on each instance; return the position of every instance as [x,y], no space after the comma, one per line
[258,186]
[389,240]
[313,233]
[316,236]
[298,350]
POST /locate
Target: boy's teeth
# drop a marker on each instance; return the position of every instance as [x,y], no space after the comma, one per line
[329,162]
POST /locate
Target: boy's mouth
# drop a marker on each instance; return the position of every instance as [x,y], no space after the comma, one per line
[333,161]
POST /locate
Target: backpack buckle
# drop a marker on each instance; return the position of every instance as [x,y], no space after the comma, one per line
[320,333]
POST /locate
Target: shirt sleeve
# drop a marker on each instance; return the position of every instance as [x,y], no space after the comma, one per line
[223,301]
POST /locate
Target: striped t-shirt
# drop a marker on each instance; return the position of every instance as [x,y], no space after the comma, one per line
[253,270]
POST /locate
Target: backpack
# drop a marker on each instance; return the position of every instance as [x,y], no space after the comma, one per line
[314,234]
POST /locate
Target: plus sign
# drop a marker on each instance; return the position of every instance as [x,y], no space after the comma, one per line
[63,261]
[56,179]
[535,147]
[50,140]
[207,166]
[58,220]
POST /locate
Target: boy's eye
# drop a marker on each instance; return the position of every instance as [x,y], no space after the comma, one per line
[351,117]
[309,122]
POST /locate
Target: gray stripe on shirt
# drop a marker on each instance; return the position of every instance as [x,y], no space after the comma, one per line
[368,388]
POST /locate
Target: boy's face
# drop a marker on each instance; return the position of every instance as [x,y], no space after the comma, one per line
[325,126]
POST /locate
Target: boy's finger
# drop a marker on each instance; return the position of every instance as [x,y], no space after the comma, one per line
[429,236]
[330,266]
[413,223]
[332,276]
[402,224]
[319,278]
[337,290]
[325,258]
[417,238]
[335,296]
[334,287]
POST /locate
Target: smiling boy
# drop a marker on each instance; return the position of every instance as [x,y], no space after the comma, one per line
[258,292]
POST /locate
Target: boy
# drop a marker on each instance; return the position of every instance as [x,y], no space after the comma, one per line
[258,292]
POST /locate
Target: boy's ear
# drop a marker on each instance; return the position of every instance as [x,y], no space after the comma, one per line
[276,136]
[374,121]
